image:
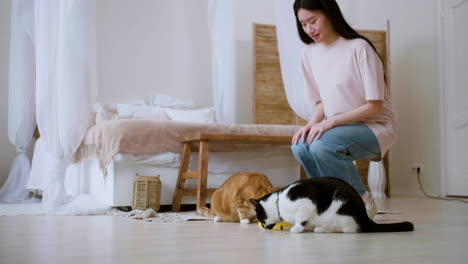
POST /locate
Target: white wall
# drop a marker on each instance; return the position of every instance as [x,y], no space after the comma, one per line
[163,47]
[7,150]
[148,47]
[247,12]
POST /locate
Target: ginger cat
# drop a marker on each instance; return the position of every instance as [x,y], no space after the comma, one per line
[230,202]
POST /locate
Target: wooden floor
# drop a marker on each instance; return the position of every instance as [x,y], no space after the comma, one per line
[441,236]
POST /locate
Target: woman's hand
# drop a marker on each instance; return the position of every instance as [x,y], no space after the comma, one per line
[300,135]
[317,116]
[314,130]
[318,129]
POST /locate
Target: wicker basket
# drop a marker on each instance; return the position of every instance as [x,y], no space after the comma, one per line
[146,192]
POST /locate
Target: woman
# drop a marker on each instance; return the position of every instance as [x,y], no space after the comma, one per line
[353,117]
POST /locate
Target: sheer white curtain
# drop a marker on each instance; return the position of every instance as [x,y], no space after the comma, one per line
[290,50]
[21,98]
[221,26]
[65,83]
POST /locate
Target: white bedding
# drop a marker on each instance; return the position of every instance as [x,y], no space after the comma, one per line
[116,189]
[219,162]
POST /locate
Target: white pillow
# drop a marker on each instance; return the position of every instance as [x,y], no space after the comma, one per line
[204,115]
[152,113]
[127,110]
[105,112]
[168,101]
[144,111]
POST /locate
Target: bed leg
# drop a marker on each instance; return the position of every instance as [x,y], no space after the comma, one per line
[203,175]
[180,185]
[302,173]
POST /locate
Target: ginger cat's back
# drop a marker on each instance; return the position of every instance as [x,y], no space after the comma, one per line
[230,202]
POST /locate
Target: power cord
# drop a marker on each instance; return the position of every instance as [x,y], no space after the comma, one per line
[418,174]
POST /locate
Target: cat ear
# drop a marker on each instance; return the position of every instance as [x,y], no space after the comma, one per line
[254,202]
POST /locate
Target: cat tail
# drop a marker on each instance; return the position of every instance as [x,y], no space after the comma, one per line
[373,227]
[205,211]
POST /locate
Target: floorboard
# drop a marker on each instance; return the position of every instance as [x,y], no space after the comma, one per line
[441,236]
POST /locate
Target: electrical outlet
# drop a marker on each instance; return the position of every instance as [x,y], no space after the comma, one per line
[417,169]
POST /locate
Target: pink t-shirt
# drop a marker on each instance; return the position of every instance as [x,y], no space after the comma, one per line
[344,76]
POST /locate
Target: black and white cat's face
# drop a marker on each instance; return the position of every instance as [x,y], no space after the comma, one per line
[265,214]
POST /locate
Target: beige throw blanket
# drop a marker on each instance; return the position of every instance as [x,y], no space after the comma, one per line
[136,136]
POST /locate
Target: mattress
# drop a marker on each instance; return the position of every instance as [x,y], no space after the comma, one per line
[129,136]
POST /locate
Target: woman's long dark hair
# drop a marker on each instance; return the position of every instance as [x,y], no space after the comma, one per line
[332,11]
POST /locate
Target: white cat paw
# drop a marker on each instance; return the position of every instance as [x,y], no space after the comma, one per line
[245,221]
[349,230]
[297,229]
[319,229]
[216,219]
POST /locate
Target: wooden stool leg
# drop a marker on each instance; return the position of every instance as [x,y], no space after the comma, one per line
[302,173]
[180,185]
[203,175]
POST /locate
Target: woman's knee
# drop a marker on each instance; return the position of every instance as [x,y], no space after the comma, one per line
[321,148]
[300,150]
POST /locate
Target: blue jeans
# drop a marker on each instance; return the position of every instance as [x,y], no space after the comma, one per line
[333,154]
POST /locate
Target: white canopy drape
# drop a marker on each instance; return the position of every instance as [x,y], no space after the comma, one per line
[65,83]
[290,50]
[21,99]
[221,26]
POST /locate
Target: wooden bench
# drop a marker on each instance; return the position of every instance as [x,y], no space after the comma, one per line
[204,140]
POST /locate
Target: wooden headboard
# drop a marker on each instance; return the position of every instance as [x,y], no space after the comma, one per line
[270,103]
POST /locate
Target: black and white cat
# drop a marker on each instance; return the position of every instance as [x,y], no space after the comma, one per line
[323,204]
